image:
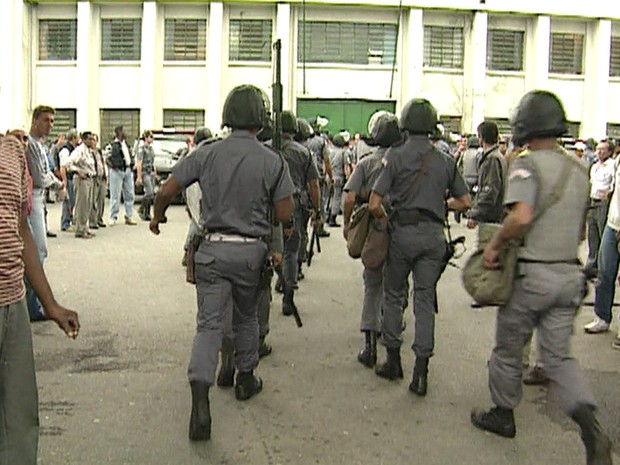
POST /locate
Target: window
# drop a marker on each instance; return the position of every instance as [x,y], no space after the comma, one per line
[341,42]
[614,58]
[63,121]
[443,47]
[121,39]
[503,125]
[184,119]
[185,39]
[110,119]
[250,40]
[505,50]
[451,124]
[566,53]
[613,130]
[57,39]
[573,128]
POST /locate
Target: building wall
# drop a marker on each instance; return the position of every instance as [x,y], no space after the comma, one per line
[152,84]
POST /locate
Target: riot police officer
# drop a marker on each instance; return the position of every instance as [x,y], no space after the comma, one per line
[384,132]
[230,259]
[549,285]
[305,177]
[304,132]
[320,150]
[415,177]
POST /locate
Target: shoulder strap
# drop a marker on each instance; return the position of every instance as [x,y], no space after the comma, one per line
[418,177]
[558,189]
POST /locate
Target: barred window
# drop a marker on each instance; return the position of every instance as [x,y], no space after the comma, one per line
[613,130]
[185,39]
[451,124]
[64,119]
[505,50]
[573,128]
[250,40]
[121,39]
[184,119]
[346,42]
[57,39]
[112,118]
[566,53]
[443,47]
[614,58]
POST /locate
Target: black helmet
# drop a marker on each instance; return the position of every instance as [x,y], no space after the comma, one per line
[539,114]
[383,129]
[201,134]
[473,142]
[246,107]
[339,140]
[304,130]
[289,122]
[419,117]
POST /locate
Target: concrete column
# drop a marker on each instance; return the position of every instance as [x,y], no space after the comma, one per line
[7,37]
[283,32]
[596,82]
[148,65]
[215,45]
[85,92]
[537,48]
[411,57]
[475,72]
[14,104]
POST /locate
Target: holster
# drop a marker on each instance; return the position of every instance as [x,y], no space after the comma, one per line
[190,270]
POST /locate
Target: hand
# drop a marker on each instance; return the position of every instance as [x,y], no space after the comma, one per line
[154,226]
[491,257]
[276,258]
[66,319]
[345,231]
[471,223]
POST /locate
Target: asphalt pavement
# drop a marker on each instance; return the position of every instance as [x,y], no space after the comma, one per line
[119,393]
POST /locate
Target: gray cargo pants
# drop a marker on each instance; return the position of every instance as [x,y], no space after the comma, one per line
[291,251]
[19,410]
[373,294]
[419,250]
[545,296]
[226,271]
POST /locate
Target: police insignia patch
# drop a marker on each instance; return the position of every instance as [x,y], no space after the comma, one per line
[520,173]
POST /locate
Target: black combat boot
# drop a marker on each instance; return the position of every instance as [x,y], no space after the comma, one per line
[279,288]
[247,385]
[322,232]
[300,273]
[598,446]
[147,209]
[392,368]
[200,419]
[143,209]
[332,222]
[420,375]
[264,349]
[226,375]
[288,304]
[368,355]
[500,421]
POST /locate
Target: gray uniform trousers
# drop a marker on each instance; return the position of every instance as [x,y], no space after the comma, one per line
[324,186]
[149,186]
[545,296]
[373,294]
[226,271]
[291,251]
[302,256]
[597,219]
[98,201]
[419,250]
[19,411]
[336,197]
[83,203]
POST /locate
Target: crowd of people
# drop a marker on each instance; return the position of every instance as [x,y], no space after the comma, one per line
[405,174]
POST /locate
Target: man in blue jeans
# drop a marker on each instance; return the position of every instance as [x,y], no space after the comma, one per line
[608,261]
[121,178]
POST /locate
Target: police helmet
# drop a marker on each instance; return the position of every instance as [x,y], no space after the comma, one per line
[246,107]
[383,129]
[201,134]
[539,114]
[339,140]
[304,130]
[473,142]
[419,117]
[289,122]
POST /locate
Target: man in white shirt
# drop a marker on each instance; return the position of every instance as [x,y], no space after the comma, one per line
[601,187]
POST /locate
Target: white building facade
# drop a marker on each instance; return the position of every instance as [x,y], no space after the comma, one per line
[150,64]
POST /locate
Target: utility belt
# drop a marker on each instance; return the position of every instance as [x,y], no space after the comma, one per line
[573,261]
[230,238]
[413,217]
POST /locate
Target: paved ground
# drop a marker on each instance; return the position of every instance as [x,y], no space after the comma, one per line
[119,394]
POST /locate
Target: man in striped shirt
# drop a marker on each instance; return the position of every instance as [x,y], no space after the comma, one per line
[19,422]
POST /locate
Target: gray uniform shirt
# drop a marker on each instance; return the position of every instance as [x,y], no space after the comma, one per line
[240,179]
[555,235]
[147,155]
[319,150]
[365,174]
[300,163]
[338,158]
[401,165]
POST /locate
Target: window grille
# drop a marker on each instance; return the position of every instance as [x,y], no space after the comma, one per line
[121,39]
[451,124]
[613,130]
[112,118]
[443,47]
[505,50]
[573,128]
[250,40]
[57,39]
[185,39]
[64,119]
[614,58]
[184,119]
[566,53]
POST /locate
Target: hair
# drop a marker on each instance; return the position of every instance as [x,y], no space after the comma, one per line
[41,109]
[488,132]
[611,143]
[147,133]
[71,133]
[118,130]
[85,135]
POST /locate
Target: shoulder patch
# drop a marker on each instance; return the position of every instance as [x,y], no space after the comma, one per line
[520,173]
[384,161]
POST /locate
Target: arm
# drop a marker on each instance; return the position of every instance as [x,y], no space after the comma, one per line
[283,208]
[328,164]
[461,204]
[375,205]
[315,194]
[349,203]
[66,319]
[513,227]
[169,190]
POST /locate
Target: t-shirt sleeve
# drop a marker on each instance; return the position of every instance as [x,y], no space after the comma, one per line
[186,171]
[522,185]
[386,176]
[356,181]
[283,183]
